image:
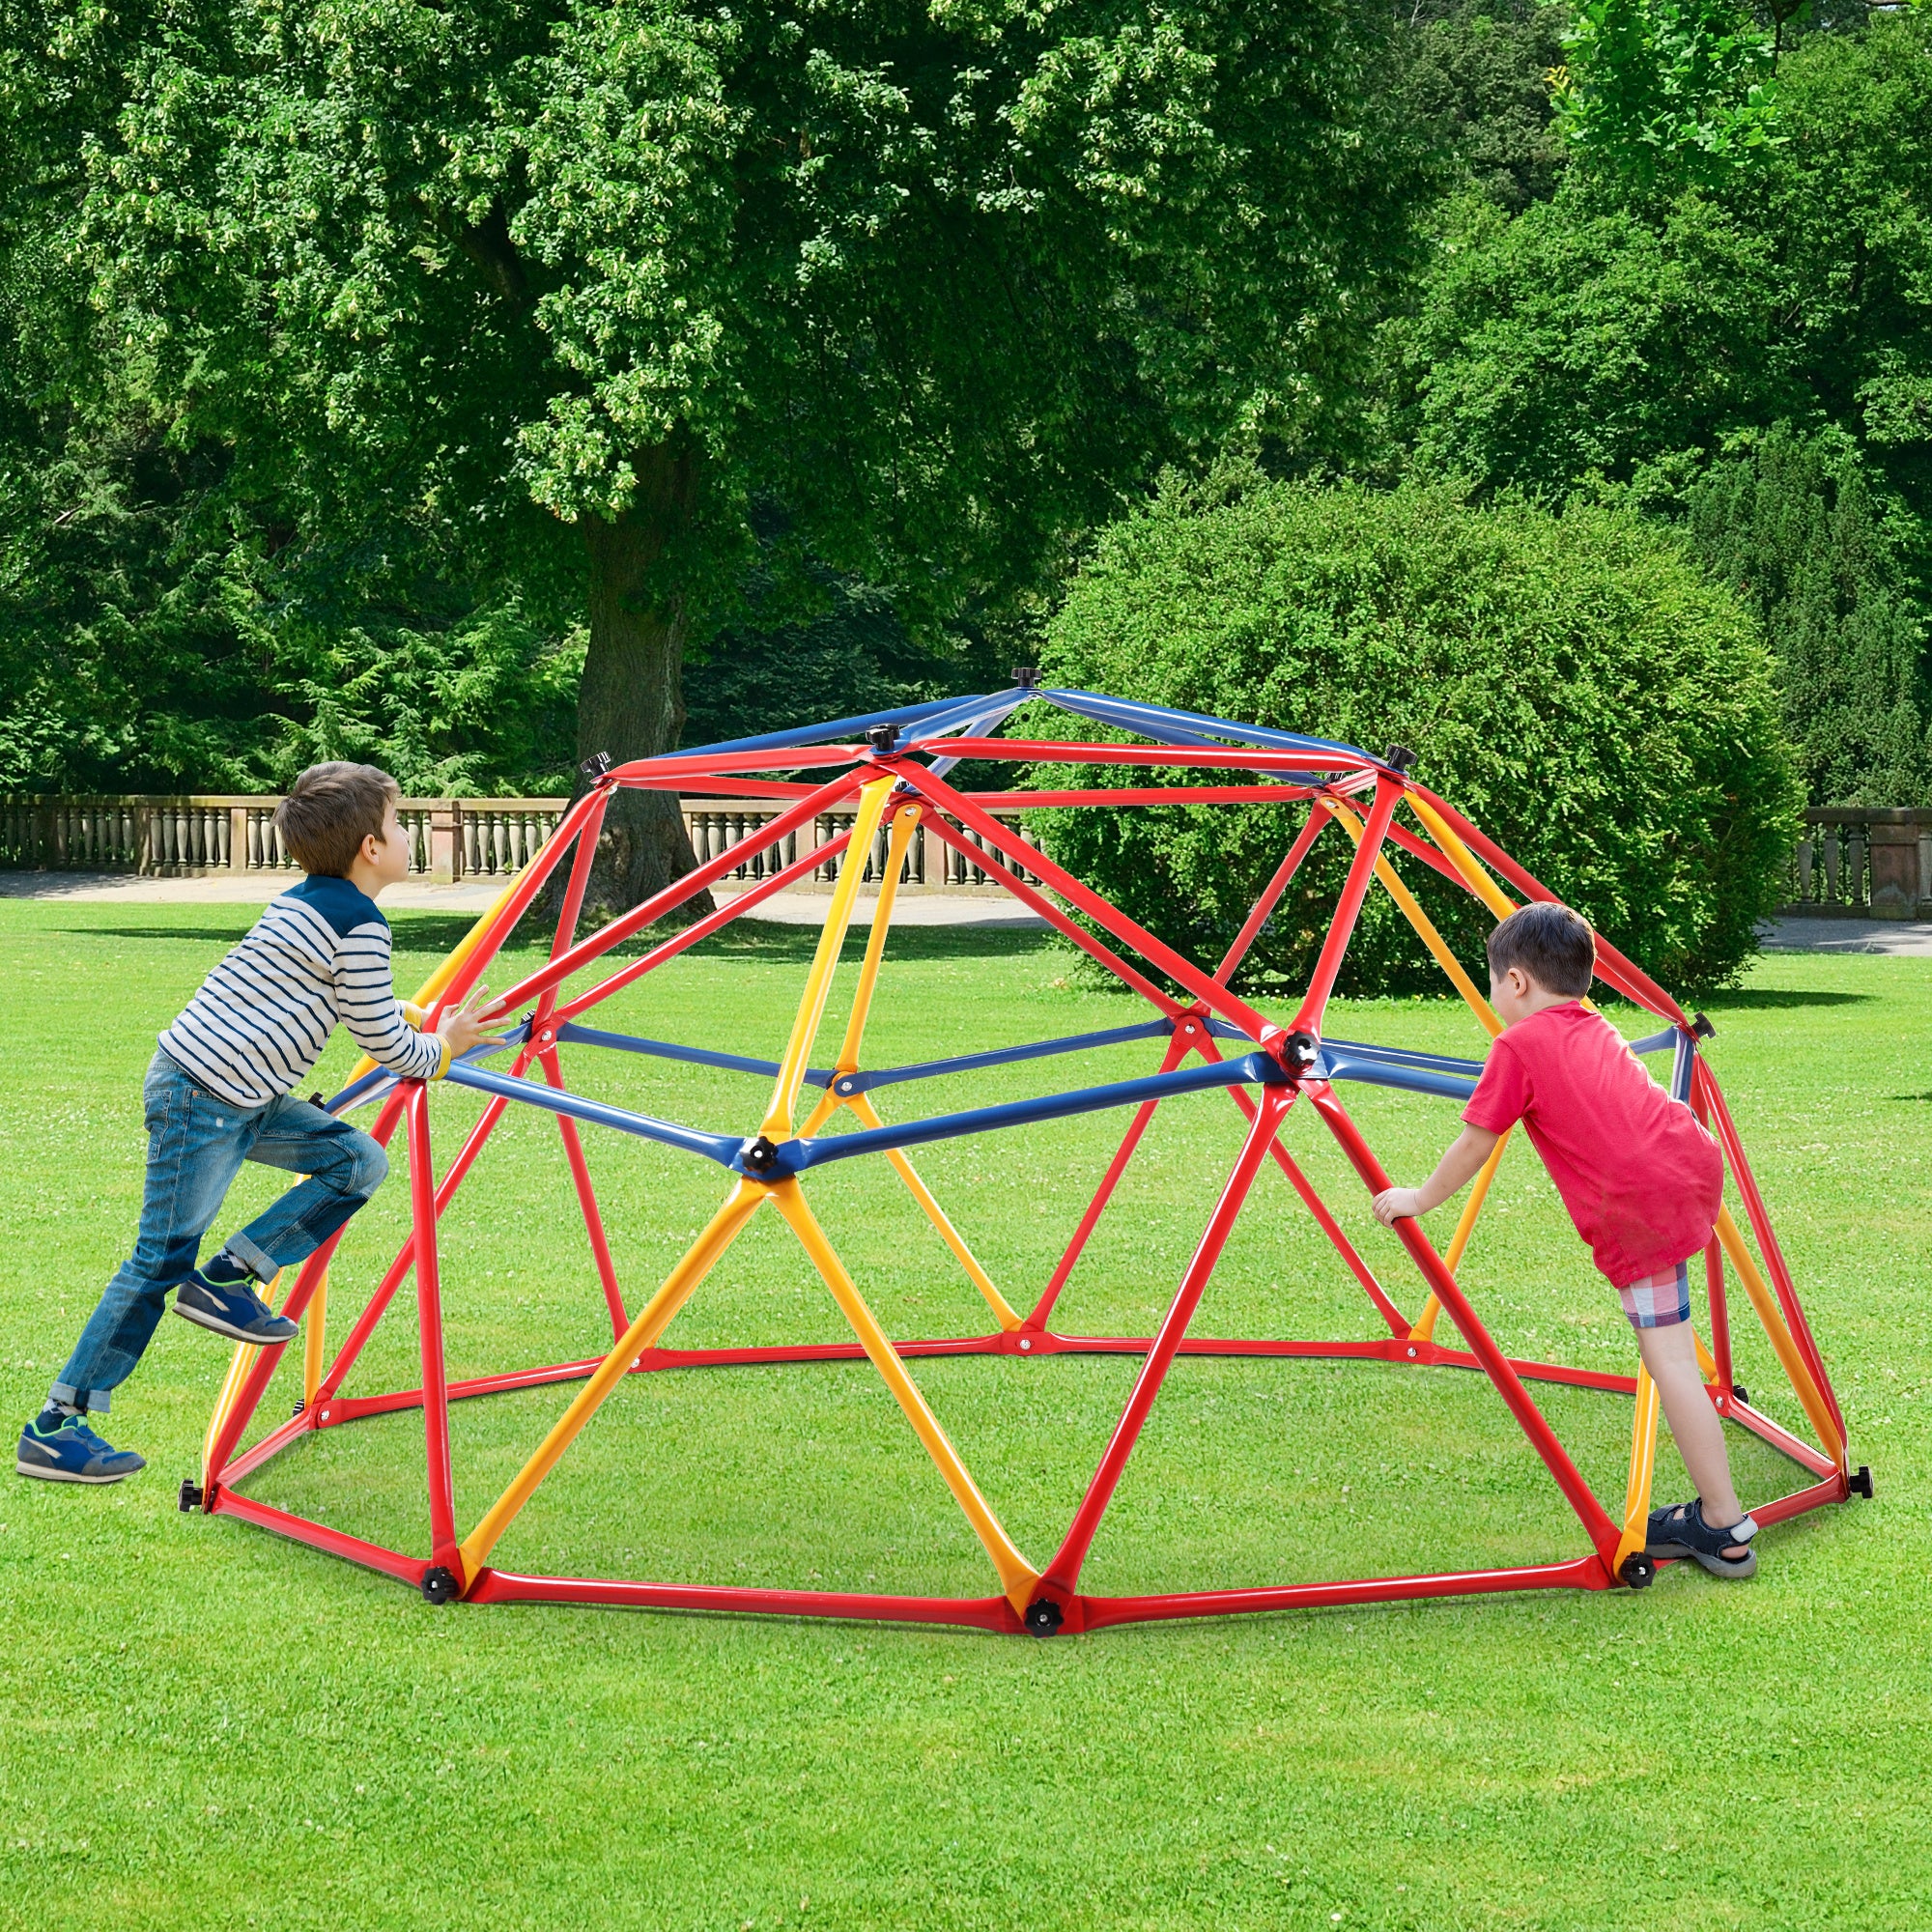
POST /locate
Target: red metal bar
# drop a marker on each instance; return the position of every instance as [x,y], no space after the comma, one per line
[1063,1571]
[1027,801]
[529,883]
[429,1322]
[1582,1572]
[1398,1322]
[272,1445]
[1067,927]
[504,1586]
[1349,908]
[599,942]
[1720,1317]
[1066,752]
[1110,918]
[1767,1237]
[249,1395]
[1781,1439]
[319,1536]
[587,1199]
[579,883]
[722,787]
[732,908]
[1258,915]
[1602,1533]
[1612,967]
[647,774]
[1178,1049]
[1784,1508]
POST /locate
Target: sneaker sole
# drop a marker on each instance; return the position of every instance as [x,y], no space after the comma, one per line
[67,1475]
[215,1325]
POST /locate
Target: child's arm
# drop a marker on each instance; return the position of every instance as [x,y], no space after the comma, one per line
[1467,1151]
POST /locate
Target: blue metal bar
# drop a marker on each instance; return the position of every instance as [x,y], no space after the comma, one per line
[1040,1049]
[1249,1069]
[664,1049]
[824,734]
[378,1081]
[1401,1056]
[979,725]
[1136,715]
[721,1148]
[1383,1073]
[1656,1042]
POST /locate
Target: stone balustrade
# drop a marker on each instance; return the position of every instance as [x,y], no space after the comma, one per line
[1863,862]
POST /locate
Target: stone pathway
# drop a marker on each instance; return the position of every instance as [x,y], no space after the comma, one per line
[1895,936]
[987,906]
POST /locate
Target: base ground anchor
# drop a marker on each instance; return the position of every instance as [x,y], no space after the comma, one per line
[439,1585]
[1859,1485]
[1043,1616]
[1638,1570]
[191,1494]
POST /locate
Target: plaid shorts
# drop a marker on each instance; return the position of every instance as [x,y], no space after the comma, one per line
[1659,1300]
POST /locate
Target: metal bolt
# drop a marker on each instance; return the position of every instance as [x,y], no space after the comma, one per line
[1024,1343]
[1411,1354]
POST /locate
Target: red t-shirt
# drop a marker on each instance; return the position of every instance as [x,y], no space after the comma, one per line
[1641,1180]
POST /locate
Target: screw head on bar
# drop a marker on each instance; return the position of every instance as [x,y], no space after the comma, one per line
[439,1586]
[1702,1027]
[595,768]
[1400,758]
[882,738]
[191,1495]
[1043,1616]
[1026,677]
[759,1155]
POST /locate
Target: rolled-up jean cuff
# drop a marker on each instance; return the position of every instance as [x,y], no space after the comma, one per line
[92,1401]
[258,1263]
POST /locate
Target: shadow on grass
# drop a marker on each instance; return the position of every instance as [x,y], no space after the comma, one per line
[228,933]
[1772,999]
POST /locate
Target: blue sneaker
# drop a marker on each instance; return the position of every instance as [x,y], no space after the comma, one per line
[231,1308]
[73,1454]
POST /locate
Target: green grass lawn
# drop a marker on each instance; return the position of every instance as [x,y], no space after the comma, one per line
[201,1724]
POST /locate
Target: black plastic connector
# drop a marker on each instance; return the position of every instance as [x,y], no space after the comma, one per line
[1043,1616]
[1638,1570]
[1739,1393]
[439,1586]
[1299,1054]
[1400,758]
[596,769]
[1859,1485]
[1702,1027]
[191,1497]
[882,738]
[759,1155]
[1026,677]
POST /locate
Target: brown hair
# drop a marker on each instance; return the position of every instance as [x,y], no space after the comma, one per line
[1552,944]
[331,809]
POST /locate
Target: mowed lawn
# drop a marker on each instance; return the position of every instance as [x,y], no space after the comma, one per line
[205,1725]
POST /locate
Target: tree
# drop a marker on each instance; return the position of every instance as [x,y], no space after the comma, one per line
[595,279]
[1572,681]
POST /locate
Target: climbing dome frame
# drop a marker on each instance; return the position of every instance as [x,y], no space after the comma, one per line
[888,772]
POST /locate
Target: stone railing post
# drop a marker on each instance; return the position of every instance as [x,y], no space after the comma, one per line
[1896,885]
[445,842]
[238,838]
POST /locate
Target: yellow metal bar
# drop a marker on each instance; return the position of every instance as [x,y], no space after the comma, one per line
[1424,925]
[1017,1577]
[239,1365]
[314,1335]
[443,974]
[1764,1303]
[905,822]
[937,1215]
[1707,1362]
[818,981]
[1643,1461]
[1425,1323]
[1462,858]
[699,1260]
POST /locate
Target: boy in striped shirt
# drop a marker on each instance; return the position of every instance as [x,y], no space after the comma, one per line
[217,1094]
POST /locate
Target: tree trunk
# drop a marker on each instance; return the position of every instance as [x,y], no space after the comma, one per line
[630,703]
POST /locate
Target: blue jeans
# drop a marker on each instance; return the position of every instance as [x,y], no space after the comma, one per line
[196,1145]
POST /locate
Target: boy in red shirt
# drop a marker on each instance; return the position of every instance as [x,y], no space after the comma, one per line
[1641,1178]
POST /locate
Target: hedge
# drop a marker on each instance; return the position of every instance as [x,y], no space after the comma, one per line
[1569,681]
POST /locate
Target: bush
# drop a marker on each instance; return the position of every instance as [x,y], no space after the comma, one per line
[1572,682]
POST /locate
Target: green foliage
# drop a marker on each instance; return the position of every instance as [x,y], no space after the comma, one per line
[1793,525]
[1569,681]
[1662,93]
[1477,76]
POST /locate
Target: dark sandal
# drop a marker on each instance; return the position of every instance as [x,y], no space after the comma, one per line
[1682,1532]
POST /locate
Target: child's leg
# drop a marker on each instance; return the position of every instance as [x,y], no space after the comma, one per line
[1670,1355]
[344,1168]
[195,1151]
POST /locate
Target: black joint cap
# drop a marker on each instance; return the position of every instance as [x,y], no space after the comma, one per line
[1400,758]
[1043,1616]
[595,769]
[191,1495]
[1702,1027]
[1739,1393]
[1638,1570]
[759,1155]
[301,1403]
[1027,676]
[439,1586]
[1860,1484]
[882,738]
[1298,1053]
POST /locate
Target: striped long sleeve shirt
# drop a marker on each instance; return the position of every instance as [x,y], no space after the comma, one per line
[319,954]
